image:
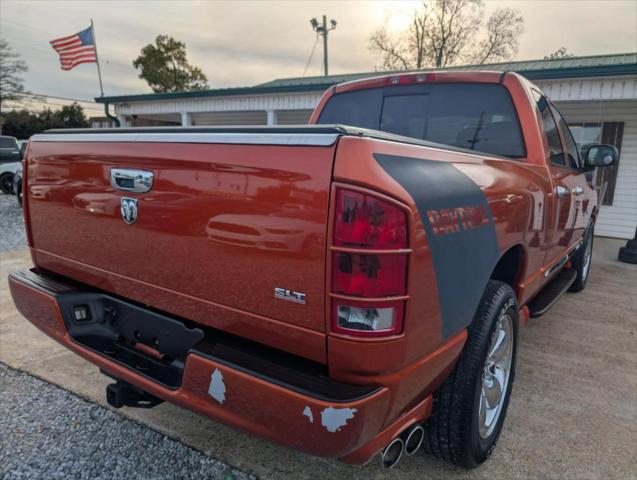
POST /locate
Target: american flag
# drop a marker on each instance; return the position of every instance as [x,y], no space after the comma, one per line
[76,49]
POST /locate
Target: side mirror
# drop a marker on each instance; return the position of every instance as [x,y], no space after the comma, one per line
[23,148]
[600,156]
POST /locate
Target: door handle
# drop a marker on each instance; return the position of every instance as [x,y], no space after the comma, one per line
[578,191]
[561,191]
[131,180]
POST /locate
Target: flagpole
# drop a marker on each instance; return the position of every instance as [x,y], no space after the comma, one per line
[97,60]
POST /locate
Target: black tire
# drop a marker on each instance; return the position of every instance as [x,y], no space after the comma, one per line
[6,183]
[579,261]
[18,194]
[452,432]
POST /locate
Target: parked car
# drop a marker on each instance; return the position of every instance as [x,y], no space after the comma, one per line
[22,145]
[452,208]
[9,149]
[7,173]
[17,184]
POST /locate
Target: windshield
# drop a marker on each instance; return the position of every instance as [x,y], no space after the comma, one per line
[8,142]
[478,117]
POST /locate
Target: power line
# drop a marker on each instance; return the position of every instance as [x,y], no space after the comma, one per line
[43,99]
[122,66]
[31,47]
[38,106]
[48,53]
[25,26]
[33,94]
[311,55]
[57,34]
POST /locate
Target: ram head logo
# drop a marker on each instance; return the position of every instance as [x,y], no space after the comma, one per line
[129,210]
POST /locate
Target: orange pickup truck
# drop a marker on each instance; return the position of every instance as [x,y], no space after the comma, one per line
[351,288]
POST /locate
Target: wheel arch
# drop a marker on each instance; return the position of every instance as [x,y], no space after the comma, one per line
[510,267]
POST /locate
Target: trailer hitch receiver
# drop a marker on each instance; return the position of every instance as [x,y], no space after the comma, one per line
[122,394]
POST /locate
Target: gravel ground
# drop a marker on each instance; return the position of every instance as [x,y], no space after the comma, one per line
[47,432]
[12,234]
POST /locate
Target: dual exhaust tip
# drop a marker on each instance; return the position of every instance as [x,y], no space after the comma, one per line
[407,442]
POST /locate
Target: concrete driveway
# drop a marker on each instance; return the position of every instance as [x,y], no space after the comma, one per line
[573,413]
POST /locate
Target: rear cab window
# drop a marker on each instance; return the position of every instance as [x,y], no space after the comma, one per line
[573,157]
[8,142]
[556,154]
[473,116]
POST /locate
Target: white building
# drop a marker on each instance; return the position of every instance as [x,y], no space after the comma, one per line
[597,95]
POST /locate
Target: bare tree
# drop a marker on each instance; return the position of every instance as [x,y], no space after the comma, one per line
[447,32]
[561,52]
[504,28]
[11,69]
[395,54]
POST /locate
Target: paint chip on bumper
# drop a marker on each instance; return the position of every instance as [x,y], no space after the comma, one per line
[217,388]
[335,418]
[308,413]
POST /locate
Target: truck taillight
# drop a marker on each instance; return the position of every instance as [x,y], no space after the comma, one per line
[369,262]
[368,222]
[369,275]
[362,319]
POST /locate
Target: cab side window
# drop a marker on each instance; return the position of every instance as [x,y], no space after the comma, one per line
[550,130]
[574,160]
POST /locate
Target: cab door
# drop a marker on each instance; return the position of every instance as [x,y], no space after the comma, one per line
[583,196]
[561,201]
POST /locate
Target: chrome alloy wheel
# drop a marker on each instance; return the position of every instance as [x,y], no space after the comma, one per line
[495,375]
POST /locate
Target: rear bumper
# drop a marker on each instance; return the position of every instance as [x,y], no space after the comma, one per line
[322,418]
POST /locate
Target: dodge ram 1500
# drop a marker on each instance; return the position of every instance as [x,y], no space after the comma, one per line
[349,288]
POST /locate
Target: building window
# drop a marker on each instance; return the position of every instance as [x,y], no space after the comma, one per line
[587,134]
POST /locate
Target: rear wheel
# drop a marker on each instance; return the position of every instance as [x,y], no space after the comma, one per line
[582,261]
[6,183]
[469,409]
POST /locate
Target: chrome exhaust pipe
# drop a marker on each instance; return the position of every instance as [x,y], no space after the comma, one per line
[413,439]
[392,453]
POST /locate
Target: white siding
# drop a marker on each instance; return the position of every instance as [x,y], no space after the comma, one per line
[293,117]
[230,118]
[231,103]
[620,219]
[606,88]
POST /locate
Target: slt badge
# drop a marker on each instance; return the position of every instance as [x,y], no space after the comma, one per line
[290,296]
[128,209]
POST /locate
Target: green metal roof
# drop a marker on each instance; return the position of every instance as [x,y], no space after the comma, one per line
[589,66]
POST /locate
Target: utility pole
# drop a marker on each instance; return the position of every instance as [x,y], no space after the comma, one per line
[322,29]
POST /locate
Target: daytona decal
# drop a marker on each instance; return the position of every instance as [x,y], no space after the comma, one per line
[452,220]
[460,230]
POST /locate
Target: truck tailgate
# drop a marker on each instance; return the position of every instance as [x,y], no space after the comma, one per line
[222,227]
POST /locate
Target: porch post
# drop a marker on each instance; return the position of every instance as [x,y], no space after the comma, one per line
[271,117]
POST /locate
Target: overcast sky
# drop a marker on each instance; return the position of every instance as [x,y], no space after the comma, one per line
[249,42]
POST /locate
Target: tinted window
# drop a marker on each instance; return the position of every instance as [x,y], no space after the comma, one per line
[550,130]
[571,146]
[358,109]
[8,142]
[405,115]
[474,116]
